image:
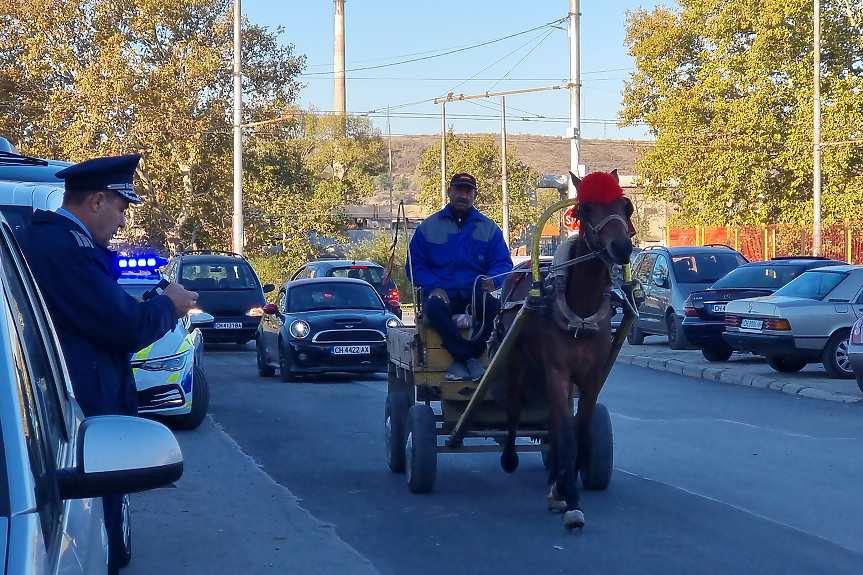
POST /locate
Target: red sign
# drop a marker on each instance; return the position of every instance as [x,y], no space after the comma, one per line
[570,219]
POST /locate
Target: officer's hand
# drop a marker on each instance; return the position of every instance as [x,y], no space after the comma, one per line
[488,285]
[183,299]
[440,294]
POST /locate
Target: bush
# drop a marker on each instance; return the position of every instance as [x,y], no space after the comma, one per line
[377,250]
[277,268]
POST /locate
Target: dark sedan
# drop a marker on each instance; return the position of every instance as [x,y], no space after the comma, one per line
[704,312]
[324,325]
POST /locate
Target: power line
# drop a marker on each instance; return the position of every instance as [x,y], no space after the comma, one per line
[520,61]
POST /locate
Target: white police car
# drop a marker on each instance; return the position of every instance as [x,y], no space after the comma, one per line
[170,373]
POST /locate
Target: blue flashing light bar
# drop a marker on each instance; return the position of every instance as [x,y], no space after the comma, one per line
[141,263]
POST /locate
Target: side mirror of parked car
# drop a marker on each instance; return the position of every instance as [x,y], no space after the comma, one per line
[201,318]
[270,309]
[268,288]
[117,455]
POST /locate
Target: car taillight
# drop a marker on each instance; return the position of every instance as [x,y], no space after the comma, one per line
[732,321]
[689,309]
[394,294]
[781,324]
[857,333]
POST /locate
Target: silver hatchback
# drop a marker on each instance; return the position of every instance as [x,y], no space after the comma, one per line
[807,321]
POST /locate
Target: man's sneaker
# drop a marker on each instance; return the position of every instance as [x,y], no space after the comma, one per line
[475,368]
[457,372]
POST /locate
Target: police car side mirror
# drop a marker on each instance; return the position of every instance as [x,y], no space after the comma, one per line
[268,288]
[201,318]
[117,454]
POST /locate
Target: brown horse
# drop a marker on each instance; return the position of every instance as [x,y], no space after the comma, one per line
[573,357]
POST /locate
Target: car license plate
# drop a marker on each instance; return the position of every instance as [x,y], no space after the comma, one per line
[751,324]
[351,349]
[719,308]
[228,326]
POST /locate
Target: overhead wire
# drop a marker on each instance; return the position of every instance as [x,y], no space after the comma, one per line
[520,61]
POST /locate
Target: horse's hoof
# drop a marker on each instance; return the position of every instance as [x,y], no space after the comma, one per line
[556,504]
[509,461]
[573,520]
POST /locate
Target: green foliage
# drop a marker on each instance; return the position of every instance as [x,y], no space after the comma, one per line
[726,89]
[377,250]
[482,159]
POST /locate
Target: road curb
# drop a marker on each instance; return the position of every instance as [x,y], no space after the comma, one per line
[729,376]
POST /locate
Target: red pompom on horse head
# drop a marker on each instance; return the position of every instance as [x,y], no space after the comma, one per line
[598,188]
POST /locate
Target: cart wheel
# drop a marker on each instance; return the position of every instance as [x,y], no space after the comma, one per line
[421,449]
[596,468]
[395,425]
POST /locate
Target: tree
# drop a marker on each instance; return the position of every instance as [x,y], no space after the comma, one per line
[82,79]
[726,89]
[481,157]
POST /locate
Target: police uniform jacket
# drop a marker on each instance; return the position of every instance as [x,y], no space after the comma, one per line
[99,325]
[446,256]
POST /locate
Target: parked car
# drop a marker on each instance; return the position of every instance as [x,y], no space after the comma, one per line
[369,272]
[228,289]
[169,374]
[807,321]
[326,324]
[704,312]
[855,351]
[54,464]
[669,275]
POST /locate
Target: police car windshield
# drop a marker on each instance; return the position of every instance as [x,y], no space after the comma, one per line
[217,276]
[137,290]
[320,296]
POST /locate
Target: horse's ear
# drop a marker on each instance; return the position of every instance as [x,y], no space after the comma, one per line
[615,176]
[630,209]
[575,180]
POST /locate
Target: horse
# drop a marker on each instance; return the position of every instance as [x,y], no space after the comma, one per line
[569,351]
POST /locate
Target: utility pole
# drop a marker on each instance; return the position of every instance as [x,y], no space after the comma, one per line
[443,185]
[237,231]
[390,150]
[503,170]
[339,102]
[574,130]
[816,135]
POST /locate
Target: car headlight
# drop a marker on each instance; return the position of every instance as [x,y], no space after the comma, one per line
[255,312]
[299,329]
[393,322]
[174,363]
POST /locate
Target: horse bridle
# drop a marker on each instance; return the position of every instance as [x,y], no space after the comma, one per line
[591,234]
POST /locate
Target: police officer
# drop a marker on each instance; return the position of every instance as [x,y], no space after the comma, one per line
[99,325]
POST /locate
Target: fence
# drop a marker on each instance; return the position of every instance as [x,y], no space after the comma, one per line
[838,241]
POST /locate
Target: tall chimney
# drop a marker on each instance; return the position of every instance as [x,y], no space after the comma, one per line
[339,106]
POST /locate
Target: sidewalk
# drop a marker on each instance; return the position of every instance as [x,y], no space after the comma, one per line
[741,369]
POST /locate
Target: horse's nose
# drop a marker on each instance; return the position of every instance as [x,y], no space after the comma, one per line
[620,249]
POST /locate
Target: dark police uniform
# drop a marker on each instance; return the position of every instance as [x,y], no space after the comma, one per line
[98,324]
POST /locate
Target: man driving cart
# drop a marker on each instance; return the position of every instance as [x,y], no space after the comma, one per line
[449,251]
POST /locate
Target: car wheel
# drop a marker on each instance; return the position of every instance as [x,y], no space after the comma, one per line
[835,358]
[285,364]
[126,555]
[264,369]
[676,339]
[200,402]
[717,353]
[635,336]
[786,364]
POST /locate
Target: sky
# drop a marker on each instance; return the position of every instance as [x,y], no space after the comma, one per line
[383,34]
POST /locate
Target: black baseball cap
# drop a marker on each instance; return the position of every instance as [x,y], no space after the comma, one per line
[463,179]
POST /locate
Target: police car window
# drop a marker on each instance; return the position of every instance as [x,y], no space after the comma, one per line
[217,276]
[18,217]
[39,367]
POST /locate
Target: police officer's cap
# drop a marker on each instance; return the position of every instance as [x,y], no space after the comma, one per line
[113,173]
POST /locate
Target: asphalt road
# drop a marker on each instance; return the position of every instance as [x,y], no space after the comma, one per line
[709,478]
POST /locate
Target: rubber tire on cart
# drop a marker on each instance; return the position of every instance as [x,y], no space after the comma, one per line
[200,402]
[421,449]
[126,556]
[285,365]
[717,353]
[597,467]
[396,429]
[264,369]
[836,354]
[785,364]
[635,336]
[674,325]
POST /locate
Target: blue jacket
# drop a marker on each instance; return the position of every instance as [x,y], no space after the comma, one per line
[98,324]
[442,256]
